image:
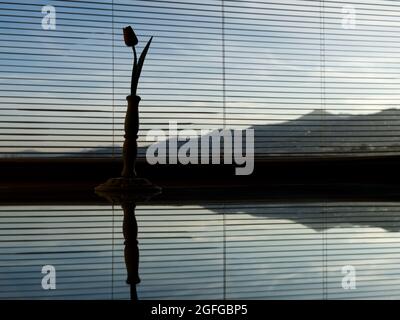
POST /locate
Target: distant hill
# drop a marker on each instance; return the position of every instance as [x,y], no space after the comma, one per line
[315,133]
[322,132]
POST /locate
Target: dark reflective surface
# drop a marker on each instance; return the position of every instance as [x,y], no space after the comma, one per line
[245,250]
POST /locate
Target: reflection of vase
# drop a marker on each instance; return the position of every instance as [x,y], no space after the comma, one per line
[131,251]
[127,199]
[131,127]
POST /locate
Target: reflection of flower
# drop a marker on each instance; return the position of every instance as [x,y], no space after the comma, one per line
[131,41]
[130,37]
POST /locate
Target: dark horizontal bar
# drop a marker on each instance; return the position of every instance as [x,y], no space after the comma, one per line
[291,179]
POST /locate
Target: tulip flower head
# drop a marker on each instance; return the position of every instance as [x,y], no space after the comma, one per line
[130,37]
[131,41]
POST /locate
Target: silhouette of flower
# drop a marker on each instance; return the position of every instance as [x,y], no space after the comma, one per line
[130,37]
[131,41]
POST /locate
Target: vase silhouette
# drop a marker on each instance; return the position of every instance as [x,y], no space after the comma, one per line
[129,181]
[131,127]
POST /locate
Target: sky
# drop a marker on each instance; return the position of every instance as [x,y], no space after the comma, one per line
[211,64]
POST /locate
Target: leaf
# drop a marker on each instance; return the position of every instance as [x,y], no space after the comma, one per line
[141,62]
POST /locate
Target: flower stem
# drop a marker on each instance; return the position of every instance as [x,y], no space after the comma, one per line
[133,93]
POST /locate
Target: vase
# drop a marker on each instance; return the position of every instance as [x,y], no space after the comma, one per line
[131,127]
[129,186]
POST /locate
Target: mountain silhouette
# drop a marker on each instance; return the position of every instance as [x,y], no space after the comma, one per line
[321,132]
[318,132]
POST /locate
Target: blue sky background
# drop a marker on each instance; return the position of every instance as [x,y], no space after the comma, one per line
[65,89]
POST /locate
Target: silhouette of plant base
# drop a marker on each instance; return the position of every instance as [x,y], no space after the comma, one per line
[119,190]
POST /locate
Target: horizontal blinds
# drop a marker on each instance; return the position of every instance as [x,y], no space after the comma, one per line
[360,67]
[205,251]
[63,91]
[76,240]
[310,77]
[56,89]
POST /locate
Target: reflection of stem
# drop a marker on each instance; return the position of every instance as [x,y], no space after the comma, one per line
[133,90]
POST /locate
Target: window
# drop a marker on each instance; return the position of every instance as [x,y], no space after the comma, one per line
[311,77]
